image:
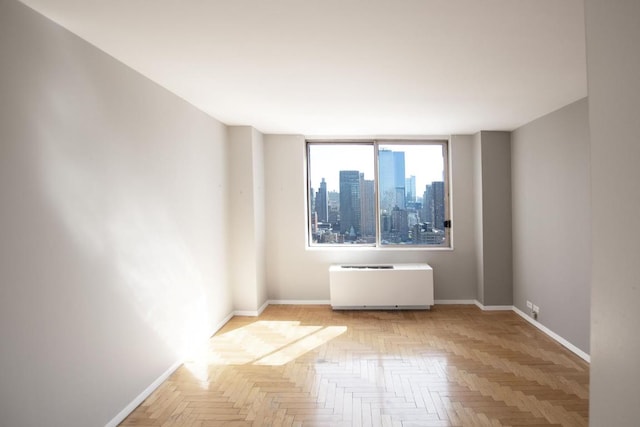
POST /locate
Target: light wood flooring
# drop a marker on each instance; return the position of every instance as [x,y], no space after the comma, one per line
[311,366]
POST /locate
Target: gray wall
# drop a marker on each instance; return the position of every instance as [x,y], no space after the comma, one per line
[477,218]
[492,165]
[613,70]
[112,227]
[296,272]
[552,221]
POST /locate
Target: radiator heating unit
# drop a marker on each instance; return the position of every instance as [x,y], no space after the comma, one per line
[381,286]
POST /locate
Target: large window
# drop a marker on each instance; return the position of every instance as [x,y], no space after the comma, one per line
[378,193]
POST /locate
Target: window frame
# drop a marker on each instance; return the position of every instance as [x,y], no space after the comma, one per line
[376,143]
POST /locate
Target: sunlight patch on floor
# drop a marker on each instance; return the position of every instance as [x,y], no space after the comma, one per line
[263,343]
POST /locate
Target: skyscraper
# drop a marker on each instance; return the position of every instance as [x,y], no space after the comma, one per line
[350,209]
[438,204]
[368,207]
[321,202]
[399,178]
[391,170]
[427,205]
[410,189]
[399,224]
[386,186]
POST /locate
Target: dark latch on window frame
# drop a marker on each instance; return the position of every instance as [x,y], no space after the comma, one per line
[447,224]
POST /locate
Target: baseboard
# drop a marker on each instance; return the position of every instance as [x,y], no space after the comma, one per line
[221,323]
[493,307]
[245,313]
[581,354]
[251,313]
[473,302]
[261,309]
[255,313]
[584,356]
[454,302]
[158,381]
[142,396]
[298,302]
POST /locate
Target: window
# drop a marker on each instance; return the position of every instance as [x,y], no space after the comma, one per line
[378,193]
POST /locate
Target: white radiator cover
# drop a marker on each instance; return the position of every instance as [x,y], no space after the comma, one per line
[381,286]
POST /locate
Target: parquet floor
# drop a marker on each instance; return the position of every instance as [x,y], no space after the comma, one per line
[311,366]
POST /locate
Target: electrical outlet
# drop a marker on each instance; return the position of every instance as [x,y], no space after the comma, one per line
[529,305]
[536,309]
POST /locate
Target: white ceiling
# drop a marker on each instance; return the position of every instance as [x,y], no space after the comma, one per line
[348,67]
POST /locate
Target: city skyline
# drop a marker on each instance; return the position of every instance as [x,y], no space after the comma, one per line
[425,162]
[353,219]
[409,187]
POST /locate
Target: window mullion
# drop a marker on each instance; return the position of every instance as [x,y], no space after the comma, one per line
[377,193]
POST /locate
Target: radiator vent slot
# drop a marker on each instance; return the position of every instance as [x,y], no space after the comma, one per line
[369,267]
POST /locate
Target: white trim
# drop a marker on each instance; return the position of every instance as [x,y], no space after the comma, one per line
[247,313]
[261,309]
[298,302]
[583,355]
[493,307]
[251,313]
[142,396]
[220,324]
[158,381]
[454,302]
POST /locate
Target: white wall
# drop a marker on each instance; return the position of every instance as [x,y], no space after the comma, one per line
[112,222]
[246,219]
[551,221]
[260,217]
[295,272]
[613,67]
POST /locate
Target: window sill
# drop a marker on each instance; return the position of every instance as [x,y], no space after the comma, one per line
[377,248]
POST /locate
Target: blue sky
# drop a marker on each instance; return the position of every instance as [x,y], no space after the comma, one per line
[327,160]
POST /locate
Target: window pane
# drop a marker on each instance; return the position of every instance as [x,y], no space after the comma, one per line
[341,194]
[412,194]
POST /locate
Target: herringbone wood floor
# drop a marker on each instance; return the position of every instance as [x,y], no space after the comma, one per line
[309,365]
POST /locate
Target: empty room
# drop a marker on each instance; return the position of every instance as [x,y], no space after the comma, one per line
[319,213]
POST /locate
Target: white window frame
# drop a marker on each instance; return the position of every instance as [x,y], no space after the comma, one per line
[376,143]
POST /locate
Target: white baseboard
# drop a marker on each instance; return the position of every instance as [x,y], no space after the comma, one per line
[261,309]
[454,302]
[221,323]
[581,354]
[158,381]
[251,313]
[298,302]
[493,307]
[246,313]
[584,356]
[142,396]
